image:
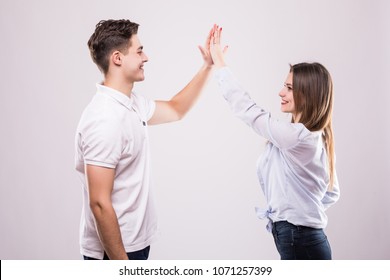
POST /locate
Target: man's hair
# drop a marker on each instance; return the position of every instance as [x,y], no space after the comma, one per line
[109,36]
[313,98]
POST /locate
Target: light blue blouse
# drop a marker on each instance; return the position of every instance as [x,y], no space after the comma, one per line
[293,170]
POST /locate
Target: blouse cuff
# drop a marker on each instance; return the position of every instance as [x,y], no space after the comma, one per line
[222,73]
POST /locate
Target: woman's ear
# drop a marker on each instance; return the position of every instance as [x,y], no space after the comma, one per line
[116,58]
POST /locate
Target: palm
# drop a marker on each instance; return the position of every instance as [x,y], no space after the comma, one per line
[205,50]
[212,52]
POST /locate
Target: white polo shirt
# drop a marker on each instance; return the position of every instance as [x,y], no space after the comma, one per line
[112,133]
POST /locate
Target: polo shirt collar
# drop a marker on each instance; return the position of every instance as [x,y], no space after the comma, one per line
[117,95]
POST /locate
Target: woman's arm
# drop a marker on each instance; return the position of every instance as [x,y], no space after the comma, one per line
[282,134]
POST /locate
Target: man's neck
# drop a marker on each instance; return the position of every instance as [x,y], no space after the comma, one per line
[121,86]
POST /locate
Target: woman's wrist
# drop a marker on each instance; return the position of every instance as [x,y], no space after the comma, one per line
[220,65]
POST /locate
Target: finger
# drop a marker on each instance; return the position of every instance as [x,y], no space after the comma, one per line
[215,33]
[209,37]
[219,35]
[212,39]
[225,49]
[203,51]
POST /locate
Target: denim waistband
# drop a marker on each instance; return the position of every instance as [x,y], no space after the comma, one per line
[286,223]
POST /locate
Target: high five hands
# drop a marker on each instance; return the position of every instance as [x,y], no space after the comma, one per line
[212,52]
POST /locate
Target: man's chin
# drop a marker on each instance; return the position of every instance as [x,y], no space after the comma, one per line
[140,79]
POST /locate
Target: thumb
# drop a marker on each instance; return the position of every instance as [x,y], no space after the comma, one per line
[225,49]
[202,50]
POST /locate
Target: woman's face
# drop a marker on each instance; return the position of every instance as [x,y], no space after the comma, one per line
[287,102]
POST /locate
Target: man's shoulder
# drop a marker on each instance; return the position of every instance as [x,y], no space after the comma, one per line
[103,107]
[101,112]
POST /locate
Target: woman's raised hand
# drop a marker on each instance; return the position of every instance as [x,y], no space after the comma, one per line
[215,49]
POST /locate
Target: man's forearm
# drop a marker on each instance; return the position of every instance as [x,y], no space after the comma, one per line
[109,233]
[186,98]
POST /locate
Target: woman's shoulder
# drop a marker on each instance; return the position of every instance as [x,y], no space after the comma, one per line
[304,137]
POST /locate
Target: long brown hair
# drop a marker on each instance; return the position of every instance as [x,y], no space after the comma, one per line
[313,98]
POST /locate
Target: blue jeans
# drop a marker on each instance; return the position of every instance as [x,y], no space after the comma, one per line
[300,243]
[137,255]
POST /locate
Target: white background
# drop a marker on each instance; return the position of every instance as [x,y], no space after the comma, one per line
[204,167]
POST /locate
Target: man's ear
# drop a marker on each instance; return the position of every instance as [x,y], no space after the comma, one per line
[116,58]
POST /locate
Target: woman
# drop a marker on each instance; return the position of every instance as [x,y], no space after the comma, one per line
[297,170]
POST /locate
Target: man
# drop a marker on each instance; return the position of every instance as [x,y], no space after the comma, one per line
[112,150]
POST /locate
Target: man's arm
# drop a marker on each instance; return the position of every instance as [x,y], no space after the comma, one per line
[176,108]
[100,184]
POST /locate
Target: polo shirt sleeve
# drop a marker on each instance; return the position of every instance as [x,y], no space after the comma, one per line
[281,134]
[150,108]
[101,143]
[146,106]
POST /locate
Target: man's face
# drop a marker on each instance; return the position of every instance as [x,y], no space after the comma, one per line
[133,61]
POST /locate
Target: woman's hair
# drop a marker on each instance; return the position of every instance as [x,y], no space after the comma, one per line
[313,98]
[110,35]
